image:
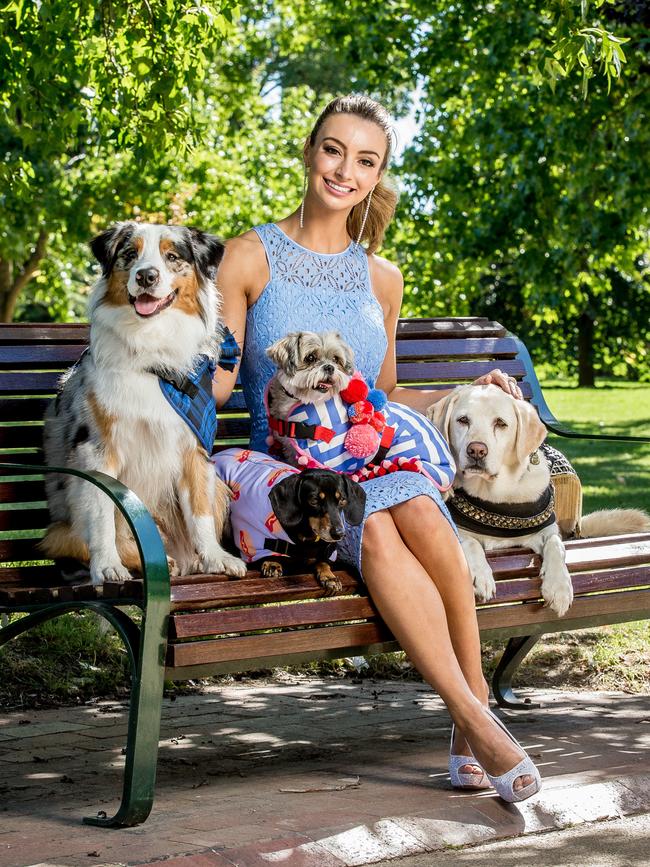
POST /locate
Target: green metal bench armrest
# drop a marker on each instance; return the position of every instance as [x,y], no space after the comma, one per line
[155,570]
[151,644]
[547,416]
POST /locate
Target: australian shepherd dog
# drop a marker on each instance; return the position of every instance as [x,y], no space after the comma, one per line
[153,311]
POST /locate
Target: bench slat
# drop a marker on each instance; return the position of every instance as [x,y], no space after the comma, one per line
[24,519]
[49,356]
[21,595]
[59,356]
[253,591]
[453,371]
[449,327]
[184,626]
[17,550]
[48,332]
[78,332]
[31,491]
[474,347]
[529,614]
[24,409]
[525,589]
[318,638]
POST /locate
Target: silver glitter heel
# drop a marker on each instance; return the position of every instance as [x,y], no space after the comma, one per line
[460,779]
[504,783]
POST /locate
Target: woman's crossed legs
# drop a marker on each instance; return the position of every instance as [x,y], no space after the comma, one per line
[417,576]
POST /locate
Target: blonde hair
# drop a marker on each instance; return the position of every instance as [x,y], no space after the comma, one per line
[384,195]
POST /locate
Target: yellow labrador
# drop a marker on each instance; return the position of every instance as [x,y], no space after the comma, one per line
[503,485]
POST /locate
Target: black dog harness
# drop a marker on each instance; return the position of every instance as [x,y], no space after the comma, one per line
[502,519]
[311,550]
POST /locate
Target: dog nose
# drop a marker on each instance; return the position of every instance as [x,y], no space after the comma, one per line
[477,451]
[336,533]
[328,368]
[147,277]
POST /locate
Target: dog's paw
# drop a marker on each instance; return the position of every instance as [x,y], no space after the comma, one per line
[217,560]
[272,569]
[485,587]
[174,568]
[557,593]
[327,579]
[233,566]
[112,571]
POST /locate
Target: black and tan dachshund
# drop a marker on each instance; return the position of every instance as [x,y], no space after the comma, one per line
[313,508]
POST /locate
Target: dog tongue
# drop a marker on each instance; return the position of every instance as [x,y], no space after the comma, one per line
[146,304]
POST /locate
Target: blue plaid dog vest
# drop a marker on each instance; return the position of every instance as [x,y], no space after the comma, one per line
[190,395]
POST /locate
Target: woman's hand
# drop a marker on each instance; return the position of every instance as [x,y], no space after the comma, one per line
[505,382]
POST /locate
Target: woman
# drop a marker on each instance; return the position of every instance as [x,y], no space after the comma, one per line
[310,271]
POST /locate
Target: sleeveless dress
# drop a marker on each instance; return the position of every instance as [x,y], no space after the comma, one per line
[310,291]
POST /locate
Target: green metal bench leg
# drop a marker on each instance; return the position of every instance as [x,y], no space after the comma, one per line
[514,654]
[144,726]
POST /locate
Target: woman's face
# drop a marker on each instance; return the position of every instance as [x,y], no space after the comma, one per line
[345,160]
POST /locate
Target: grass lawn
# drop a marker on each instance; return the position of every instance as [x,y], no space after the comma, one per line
[612,474]
[70,660]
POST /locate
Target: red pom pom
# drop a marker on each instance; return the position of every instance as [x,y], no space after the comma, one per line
[381,472]
[361,411]
[361,441]
[356,390]
[378,421]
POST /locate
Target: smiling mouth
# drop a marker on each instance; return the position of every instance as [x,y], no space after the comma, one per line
[337,188]
[323,386]
[147,305]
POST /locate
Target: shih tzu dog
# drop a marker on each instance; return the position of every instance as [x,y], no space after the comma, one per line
[311,369]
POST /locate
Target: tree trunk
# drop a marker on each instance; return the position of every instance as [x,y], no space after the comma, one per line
[586,377]
[12,284]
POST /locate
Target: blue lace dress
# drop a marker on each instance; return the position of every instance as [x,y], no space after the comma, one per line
[310,291]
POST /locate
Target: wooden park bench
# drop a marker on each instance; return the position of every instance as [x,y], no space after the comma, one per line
[200,625]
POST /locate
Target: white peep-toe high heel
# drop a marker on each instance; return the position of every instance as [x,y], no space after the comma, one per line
[504,783]
[461,779]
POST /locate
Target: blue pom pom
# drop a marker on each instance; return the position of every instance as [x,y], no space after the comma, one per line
[377,398]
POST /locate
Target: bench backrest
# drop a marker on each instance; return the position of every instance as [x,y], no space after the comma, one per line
[433,353]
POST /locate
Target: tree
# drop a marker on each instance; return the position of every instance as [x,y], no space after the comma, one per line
[87,88]
[526,190]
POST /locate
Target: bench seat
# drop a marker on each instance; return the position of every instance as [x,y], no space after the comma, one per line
[198,625]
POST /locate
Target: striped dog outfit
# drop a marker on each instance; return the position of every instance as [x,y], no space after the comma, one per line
[320,429]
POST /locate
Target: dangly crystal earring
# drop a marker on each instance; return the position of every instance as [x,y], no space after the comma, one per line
[365,217]
[304,193]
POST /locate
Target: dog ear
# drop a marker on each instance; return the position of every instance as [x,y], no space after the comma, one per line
[531,432]
[286,502]
[442,410]
[106,245]
[208,252]
[356,497]
[349,355]
[284,353]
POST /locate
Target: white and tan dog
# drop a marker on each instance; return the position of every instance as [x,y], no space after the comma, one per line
[153,312]
[494,439]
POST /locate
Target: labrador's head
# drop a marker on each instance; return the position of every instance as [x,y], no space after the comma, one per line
[487,430]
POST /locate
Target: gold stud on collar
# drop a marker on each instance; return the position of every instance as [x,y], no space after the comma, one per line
[534,458]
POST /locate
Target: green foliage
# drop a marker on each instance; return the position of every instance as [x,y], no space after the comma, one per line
[524,193]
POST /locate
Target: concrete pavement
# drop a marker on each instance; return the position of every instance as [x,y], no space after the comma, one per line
[316,773]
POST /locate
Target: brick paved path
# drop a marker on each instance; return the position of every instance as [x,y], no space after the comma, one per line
[304,772]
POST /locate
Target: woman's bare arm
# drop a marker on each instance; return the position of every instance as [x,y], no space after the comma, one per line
[242,275]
